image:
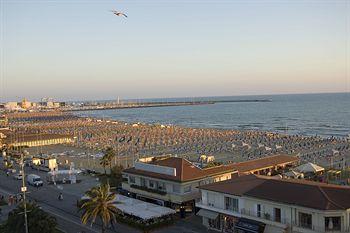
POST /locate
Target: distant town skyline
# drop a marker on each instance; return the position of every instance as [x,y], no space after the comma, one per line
[79,50]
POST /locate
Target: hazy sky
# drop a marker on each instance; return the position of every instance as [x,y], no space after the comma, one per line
[77,49]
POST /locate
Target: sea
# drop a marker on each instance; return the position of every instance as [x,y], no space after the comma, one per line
[324,115]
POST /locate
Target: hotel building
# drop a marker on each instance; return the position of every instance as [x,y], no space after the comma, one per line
[171,181]
[256,204]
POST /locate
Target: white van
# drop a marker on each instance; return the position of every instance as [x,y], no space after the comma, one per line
[34,180]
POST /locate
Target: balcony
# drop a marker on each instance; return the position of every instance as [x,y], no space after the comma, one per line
[160,194]
[268,219]
[150,190]
[264,216]
[298,227]
[243,213]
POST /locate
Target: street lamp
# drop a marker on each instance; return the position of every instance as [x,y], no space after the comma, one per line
[24,190]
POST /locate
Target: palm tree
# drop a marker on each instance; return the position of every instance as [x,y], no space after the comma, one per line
[100,203]
[104,161]
[110,154]
[107,158]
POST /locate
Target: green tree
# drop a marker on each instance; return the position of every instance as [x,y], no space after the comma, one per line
[38,220]
[110,154]
[107,158]
[100,203]
[104,162]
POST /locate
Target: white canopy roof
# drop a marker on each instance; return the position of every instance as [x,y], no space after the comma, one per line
[65,172]
[309,167]
[141,209]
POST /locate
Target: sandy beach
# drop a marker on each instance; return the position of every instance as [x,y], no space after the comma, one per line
[131,141]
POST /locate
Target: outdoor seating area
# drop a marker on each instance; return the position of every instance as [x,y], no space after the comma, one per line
[142,214]
[143,210]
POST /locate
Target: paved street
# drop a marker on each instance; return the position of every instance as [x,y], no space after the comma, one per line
[47,197]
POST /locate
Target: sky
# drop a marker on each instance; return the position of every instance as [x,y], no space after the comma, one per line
[79,50]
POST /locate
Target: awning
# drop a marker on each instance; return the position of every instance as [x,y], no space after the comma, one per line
[208,214]
[250,226]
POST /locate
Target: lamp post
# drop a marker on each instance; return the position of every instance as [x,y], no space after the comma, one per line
[24,190]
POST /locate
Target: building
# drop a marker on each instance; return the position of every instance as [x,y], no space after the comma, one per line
[180,177]
[11,106]
[25,104]
[3,122]
[171,181]
[266,165]
[44,164]
[30,140]
[254,203]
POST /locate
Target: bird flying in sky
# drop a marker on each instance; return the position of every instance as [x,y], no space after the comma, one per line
[117,13]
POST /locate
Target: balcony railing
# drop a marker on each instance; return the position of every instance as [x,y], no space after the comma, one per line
[144,188]
[320,229]
[268,217]
[261,215]
[265,216]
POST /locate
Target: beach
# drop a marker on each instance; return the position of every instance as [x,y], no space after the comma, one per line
[135,140]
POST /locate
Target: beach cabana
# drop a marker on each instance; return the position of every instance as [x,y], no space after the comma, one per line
[309,168]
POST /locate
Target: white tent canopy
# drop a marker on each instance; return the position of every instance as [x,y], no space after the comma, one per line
[65,172]
[309,167]
[141,209]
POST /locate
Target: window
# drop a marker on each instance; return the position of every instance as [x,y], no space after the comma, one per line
[143,182]
[151,183]
[132,179]
[277,213]
[231,204]
[305,220]
[214,223]
[332,223]
[258,210]
[176,188]
[211,199]
[160,186]
[187,189]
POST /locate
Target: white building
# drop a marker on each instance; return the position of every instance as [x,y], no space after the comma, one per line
[11,106]
[171,181]
[255,203]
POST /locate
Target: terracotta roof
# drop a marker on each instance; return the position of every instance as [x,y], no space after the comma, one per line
[264,163]
[185,170]
[308,194]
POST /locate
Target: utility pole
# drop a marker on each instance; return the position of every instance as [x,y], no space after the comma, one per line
[24,190]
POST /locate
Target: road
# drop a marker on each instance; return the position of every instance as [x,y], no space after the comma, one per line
[65,211]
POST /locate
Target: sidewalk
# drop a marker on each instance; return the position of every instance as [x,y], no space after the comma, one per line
[5,209]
